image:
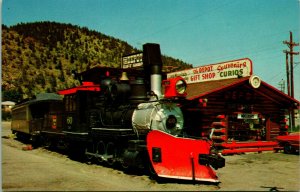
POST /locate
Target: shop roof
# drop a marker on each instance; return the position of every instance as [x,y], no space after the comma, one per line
[204,89]
[196,90]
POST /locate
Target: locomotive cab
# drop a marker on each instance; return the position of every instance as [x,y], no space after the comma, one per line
[77,102]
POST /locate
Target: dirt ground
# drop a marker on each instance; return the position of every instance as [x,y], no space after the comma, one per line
[44,170]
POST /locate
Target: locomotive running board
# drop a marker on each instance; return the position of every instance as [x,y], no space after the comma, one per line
[75,133]
[178,158]
[114,129]
[52,132]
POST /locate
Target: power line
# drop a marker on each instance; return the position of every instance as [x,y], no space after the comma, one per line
[247,53]
[164,29]
[249,50]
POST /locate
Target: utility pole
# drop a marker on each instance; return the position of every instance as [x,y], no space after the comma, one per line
[291,52]
[287,73]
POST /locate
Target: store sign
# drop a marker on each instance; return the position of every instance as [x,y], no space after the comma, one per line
[213,72]
[132,61]
[247,116]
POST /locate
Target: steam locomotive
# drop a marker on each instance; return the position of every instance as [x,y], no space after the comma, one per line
[121,116]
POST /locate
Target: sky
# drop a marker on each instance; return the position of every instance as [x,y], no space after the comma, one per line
[199,32]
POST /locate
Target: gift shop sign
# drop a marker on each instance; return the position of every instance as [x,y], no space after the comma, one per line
[213,72]
[132,61]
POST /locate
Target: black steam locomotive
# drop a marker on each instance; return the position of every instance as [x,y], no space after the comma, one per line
[121,115]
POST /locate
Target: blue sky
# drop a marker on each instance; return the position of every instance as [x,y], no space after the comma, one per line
[199,32]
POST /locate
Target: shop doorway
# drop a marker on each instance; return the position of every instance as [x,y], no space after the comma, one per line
[246,127]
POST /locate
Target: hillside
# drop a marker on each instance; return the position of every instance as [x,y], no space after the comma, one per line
[39,57]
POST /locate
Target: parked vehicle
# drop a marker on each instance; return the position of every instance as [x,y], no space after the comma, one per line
[289,143]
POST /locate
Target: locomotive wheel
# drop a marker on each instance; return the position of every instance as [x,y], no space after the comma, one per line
[124,165]
[47,142]
[100,151]
[89,149]
[110,153]
[110,161]
[140,162]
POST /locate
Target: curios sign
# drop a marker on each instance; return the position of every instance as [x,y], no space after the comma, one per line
[225,70]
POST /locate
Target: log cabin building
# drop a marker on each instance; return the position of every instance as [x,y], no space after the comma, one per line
[243,110]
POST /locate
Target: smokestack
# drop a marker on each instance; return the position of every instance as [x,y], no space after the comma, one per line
[153,66]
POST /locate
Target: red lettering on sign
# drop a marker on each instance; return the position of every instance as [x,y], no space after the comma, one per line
[208,75]
[205,69]
[195,77]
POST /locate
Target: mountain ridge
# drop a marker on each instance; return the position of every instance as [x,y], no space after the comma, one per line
[39,57]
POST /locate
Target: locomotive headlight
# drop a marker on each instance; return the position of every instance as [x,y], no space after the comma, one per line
[174,87]
[180,86]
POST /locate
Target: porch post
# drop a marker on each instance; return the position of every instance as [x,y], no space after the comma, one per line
[268,129]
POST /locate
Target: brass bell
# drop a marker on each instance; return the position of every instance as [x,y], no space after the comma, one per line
[124,77]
